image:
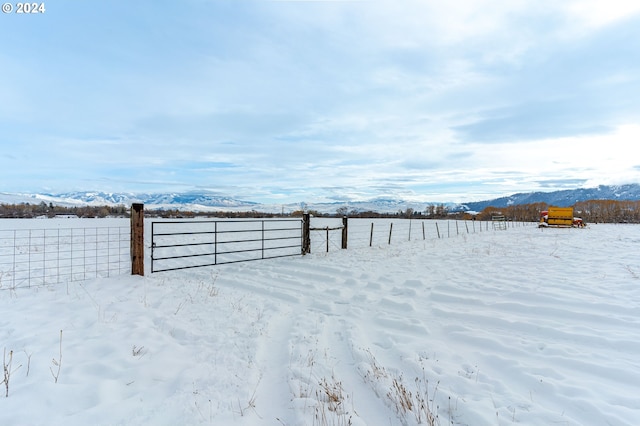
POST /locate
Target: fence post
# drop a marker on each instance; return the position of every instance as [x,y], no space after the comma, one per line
[423,236]
[306,235]
[345,232]
[137,239]
[327,228]
[390,229]
[371,235]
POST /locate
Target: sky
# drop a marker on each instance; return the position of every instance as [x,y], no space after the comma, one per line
[291,101]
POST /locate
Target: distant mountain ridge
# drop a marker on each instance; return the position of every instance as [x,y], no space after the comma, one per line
[564,198]
[207,200]
[97,198]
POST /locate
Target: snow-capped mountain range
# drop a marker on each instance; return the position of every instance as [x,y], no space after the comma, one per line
[563,198]
[153,200]
[210,201]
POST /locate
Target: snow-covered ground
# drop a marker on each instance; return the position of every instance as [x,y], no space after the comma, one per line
[522,326]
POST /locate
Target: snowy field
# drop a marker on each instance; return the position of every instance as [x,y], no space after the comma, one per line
[518,326]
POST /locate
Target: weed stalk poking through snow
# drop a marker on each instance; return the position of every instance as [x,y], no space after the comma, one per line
[138,351]
[57,362]
[404,401]
[331,396]
[6,367]
[7,370]
[417,403]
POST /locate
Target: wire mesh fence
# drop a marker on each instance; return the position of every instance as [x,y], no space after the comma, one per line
[36,257]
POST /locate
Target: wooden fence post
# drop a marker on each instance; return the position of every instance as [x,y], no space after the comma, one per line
[137,239]
[345,232]
[306,235]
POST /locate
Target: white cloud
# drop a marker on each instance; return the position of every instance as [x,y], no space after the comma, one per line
[595,14]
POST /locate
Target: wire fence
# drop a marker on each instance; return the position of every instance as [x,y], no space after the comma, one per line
[54,254]
[366,232]
[37,257]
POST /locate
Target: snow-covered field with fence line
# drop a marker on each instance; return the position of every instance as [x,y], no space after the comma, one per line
[478,327]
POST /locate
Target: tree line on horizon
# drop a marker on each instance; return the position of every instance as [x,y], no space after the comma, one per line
[28,210]
[592,211]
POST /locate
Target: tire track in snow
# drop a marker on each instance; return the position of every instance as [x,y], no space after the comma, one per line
[273,393]
[311,333]
[345,364]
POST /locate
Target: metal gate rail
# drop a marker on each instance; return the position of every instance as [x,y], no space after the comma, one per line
[194,244]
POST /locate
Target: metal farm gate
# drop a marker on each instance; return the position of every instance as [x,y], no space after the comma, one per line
[193,244]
